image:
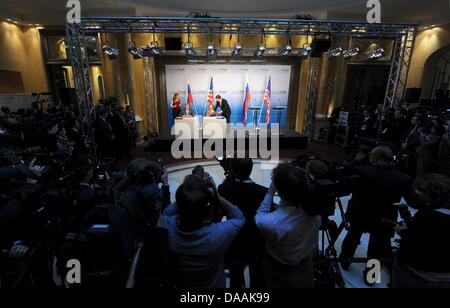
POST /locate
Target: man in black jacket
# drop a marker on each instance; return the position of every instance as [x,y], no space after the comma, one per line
[224,106]
[104,134]
[423,258]
[372,203]
[241,191]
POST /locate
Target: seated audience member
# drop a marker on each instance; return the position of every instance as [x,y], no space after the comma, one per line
[197,245]
[291,234]
[423,260]
[240,190]
[366,128]
[187,112]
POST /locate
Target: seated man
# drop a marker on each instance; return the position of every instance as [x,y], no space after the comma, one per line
[197,245]
[423,258]
[239,189]
[187,112]
[291,234]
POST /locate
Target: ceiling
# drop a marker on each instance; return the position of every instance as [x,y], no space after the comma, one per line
[53,12]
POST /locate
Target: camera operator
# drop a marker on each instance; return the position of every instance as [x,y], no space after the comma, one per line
[198,245]
[141,197]
[372,201]
[240,190]
[291,234]
[423,260]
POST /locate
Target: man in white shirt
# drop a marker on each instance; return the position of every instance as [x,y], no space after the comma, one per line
[291,234]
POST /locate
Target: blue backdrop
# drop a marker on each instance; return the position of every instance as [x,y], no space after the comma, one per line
[229,82]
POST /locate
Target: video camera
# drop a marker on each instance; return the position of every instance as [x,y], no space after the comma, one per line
[324,191]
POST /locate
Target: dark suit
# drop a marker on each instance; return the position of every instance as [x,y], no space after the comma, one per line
[226,110]
[372,201]
[104,136]
[249,242]
[189,112]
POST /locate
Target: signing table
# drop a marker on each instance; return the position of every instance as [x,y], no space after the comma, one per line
[186,128]
[214,128]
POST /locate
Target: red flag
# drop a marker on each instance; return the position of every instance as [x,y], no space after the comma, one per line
[247,100]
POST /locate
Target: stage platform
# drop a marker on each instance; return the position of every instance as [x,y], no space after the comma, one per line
[289,139]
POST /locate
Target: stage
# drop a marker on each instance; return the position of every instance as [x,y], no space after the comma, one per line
[288,139]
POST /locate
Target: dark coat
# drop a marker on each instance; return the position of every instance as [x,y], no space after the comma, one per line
[248,197]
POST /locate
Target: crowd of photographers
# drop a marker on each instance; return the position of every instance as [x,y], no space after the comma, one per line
[58,204]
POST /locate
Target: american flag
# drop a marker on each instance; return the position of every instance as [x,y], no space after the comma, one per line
[210,96]
[267,99]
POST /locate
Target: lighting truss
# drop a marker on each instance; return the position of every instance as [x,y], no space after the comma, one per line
[77,34]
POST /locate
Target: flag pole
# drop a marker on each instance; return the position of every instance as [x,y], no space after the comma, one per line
[260,112]
[206,102]
[192,92]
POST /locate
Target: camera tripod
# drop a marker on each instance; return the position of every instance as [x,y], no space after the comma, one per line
[327,270]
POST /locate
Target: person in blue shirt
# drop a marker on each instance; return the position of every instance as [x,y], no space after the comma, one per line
[198,245]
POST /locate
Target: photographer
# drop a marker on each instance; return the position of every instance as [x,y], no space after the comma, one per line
[380,187]
[240,190]
[198,245]
[423,260]
[291,234]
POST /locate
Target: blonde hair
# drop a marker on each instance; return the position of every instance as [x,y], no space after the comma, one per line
[175,96]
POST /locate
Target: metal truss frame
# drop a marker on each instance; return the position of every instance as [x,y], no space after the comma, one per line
[311,99]
[77,54]
[77,33]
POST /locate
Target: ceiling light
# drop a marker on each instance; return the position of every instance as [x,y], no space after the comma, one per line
[335,52]
[352,52]
[155,49]
[134,51]
[376,53]
[189,49]
[110,52]
[305,51]
[261,50]
[286,50]
[238,50]
[211,52]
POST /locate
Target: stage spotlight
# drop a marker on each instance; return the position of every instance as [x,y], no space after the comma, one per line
[110,52]
[352,52]
[286,50]
[261,50]
[189,49]
[238,50]
[305,51]
[335,52]
[155,49]
[376,53]
[211,52]
[134,51]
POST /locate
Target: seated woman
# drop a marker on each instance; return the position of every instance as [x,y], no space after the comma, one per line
[211,112]
[198,245]
[290,232]
[423,258]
